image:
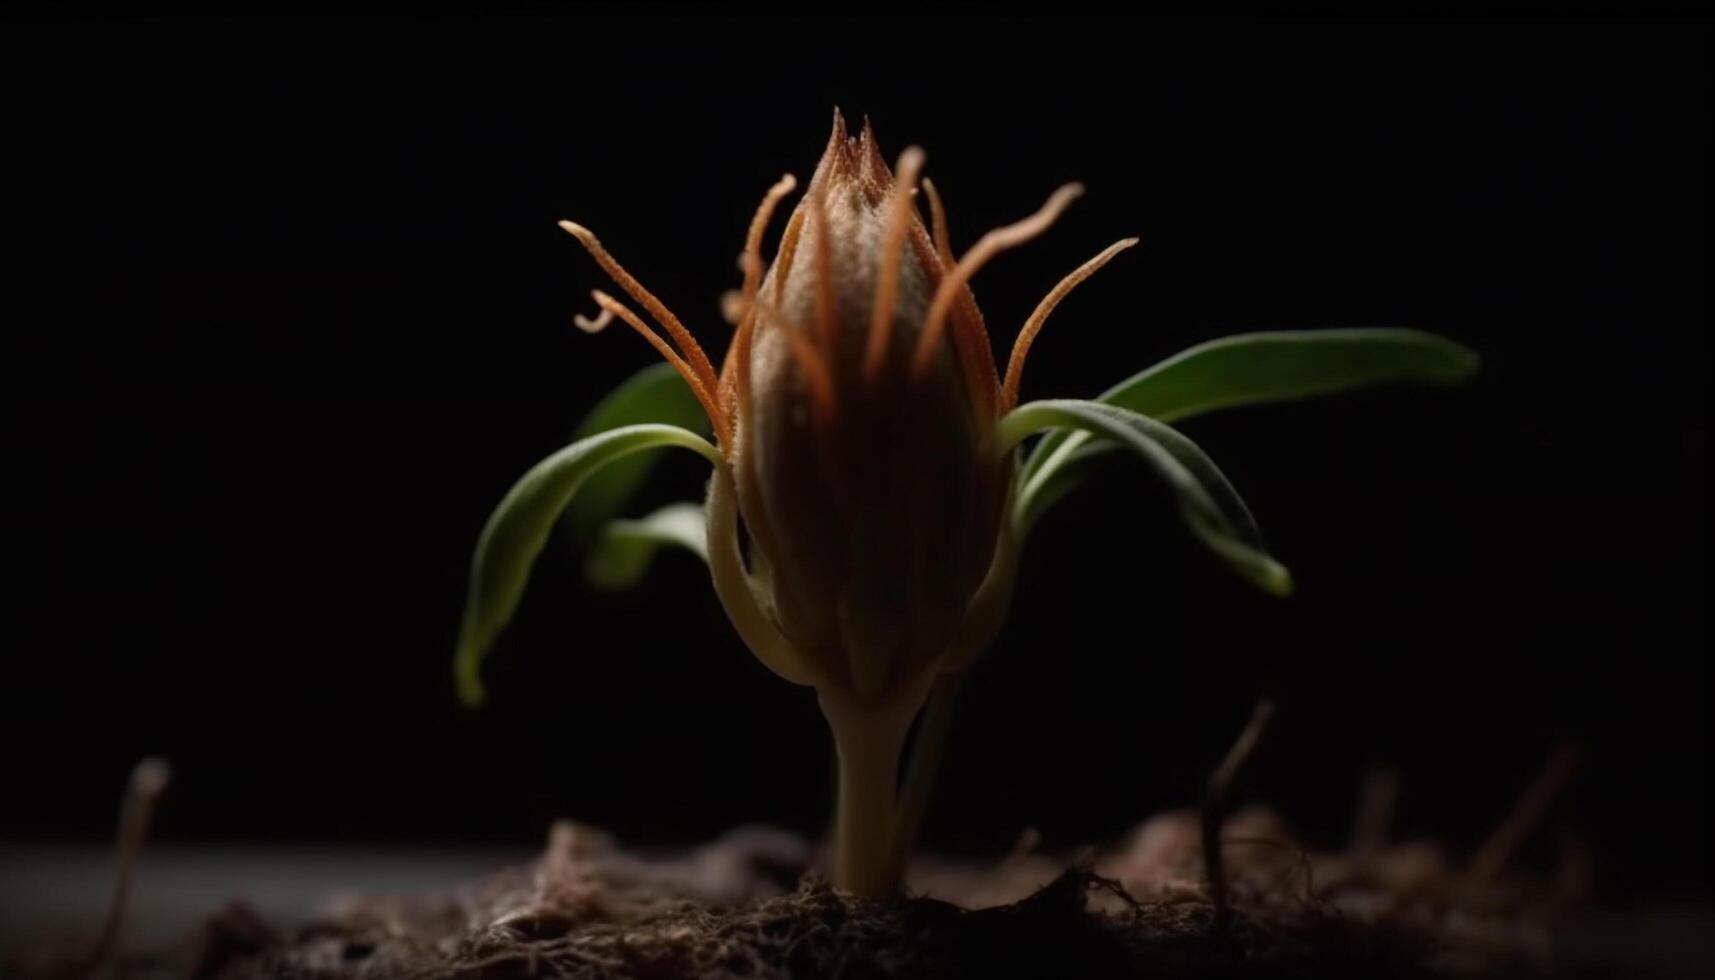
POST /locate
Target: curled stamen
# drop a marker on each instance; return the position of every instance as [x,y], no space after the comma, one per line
[1032,326]
[899,215]
[938,222]
[752,261]
[595,324]
[735,304]
[736,370]
[787,251]
[611,308]
[987,247]
[699,361]
[827,316]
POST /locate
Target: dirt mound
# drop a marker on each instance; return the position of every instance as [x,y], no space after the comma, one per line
[752,905]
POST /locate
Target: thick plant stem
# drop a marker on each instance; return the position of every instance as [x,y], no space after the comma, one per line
[868,736]
[869,769]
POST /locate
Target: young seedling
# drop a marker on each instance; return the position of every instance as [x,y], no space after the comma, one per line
[867,440]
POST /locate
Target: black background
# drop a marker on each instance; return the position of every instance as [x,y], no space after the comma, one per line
[292,314]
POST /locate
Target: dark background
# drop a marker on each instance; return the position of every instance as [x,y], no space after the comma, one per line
[292,314]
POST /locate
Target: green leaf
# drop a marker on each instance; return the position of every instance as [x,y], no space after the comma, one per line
[1258,368]
[622,556]
[1211,507]
[656,394]
[1067,475]
[1254,368]
[516,532]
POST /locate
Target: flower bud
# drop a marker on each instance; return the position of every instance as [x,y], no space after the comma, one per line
[863,453]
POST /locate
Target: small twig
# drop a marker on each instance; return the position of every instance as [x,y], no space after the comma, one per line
[1215,808]
[1498,847]
[1373,822]
[148,781]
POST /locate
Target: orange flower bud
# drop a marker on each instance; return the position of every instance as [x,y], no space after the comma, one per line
[856,416]
[856,412]
[865,474]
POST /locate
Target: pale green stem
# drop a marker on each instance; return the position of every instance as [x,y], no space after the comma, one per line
[869,767]
[737,593]
[869,737]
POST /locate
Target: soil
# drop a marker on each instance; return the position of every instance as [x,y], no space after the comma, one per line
[752,905]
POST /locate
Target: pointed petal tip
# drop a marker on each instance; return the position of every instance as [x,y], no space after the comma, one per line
[837,158]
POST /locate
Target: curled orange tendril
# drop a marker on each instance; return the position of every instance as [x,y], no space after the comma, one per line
[743,304]
[987,247]
[724,395]
[1032,326]
[899,215]
[938,221]
[694,366]
[827,309]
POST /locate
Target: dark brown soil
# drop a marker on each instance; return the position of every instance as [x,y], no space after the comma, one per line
[751,905]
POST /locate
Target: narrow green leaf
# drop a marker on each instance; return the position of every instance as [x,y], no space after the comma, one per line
[1066,476]
[1258,368]
[627,547]
[1255,368]
[516,532]
[656,394]
[1211,507]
